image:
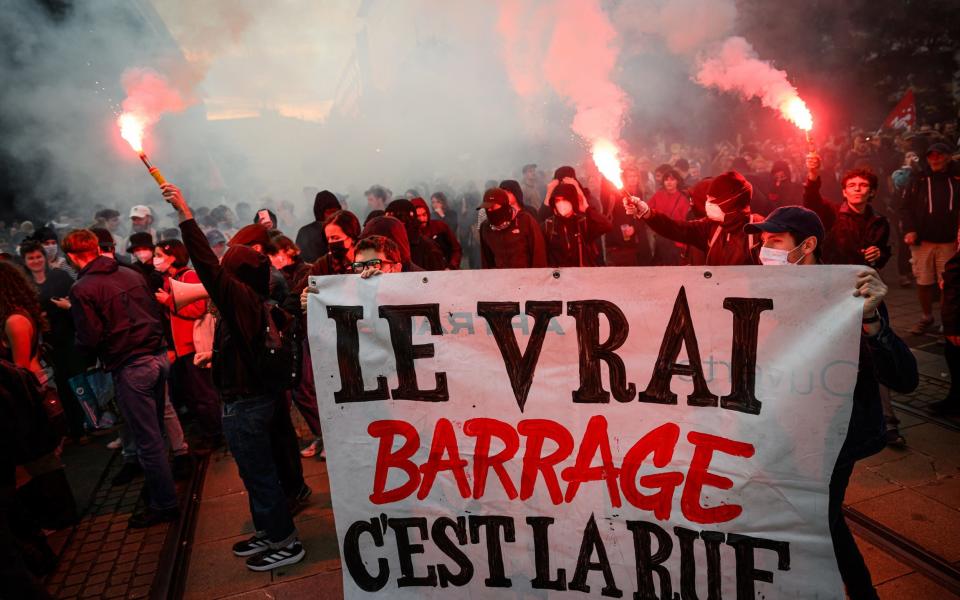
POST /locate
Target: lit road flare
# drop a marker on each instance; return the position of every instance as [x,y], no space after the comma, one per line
[132,129]
[607,161]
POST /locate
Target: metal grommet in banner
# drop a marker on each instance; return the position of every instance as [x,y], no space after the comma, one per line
[556,274]
[424,280]
[707,274]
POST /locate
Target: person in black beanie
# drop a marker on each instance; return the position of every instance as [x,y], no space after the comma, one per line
[720,234]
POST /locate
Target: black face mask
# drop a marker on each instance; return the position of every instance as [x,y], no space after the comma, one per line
[337,249]
[500,215]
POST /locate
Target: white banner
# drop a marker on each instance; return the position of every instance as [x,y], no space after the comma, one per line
[664,432]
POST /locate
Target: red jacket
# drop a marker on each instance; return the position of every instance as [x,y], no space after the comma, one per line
[181,321]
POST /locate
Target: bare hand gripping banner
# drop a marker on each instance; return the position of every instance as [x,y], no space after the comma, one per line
[650,433]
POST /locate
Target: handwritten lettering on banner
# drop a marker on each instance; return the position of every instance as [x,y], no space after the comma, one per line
[621,432]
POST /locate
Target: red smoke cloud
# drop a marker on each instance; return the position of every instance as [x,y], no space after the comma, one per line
[149,96]
[578,61]
[735,67]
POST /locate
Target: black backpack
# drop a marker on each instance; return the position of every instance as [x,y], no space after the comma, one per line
[28,431]
[278,355]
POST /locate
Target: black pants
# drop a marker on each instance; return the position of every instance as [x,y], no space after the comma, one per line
[286,450]
[192,387]
[853,570]
[952,354]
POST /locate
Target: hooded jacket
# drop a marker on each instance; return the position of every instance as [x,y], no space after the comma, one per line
[311,238]
[569,240]
[238,287]
[931,207]
[117,317]
[723,243]
[848,232]
[394,230]
[423,251]
[442,236]
[518,246]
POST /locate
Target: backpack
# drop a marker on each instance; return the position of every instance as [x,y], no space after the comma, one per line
[277,356]
[29,431]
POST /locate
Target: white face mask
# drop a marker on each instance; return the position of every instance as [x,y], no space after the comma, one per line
[161,264]
[714,212]
[564,208]
[143,256]
[51,251]
[775,256]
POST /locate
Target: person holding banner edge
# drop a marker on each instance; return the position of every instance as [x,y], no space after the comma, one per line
[792,235]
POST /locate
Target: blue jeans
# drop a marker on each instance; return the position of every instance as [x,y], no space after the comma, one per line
[139,389]
[171,424]
[247,423]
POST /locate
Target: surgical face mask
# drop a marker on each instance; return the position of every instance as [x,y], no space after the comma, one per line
[51,251]
[775,256]
[143,256]
[714,212]
[161,264]
[564,208]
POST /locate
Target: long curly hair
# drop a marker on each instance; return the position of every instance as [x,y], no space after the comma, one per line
[18,294]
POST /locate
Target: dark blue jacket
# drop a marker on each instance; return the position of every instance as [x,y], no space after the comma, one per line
[117,317]
[884,359]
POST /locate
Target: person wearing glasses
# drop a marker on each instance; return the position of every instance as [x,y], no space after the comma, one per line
[376,255]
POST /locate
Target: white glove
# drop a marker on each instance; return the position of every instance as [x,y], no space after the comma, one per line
[636,207]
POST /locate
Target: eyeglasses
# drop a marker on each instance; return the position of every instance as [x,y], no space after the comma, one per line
[374,263]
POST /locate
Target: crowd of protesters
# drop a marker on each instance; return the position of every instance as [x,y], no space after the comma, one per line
[203,320]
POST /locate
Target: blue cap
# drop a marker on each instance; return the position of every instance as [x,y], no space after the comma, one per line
[798,221]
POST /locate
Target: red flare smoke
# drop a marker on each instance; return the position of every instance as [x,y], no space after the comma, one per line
[736,68]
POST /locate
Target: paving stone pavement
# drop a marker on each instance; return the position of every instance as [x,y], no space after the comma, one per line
[103,558]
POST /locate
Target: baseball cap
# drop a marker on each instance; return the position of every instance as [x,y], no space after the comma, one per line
[140,211]
[797,220]
[939,147]
[494,197]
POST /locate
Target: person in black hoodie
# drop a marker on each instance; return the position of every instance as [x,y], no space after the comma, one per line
[117,318]
[571,231]
[423,251]
[930,216]
[239,287]
[509,238]
[311,239]
[720,234]
[439,232]
[393,229]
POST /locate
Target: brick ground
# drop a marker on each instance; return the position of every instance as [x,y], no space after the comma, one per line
[103,558]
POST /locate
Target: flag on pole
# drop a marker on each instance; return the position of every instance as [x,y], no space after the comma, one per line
[904,115]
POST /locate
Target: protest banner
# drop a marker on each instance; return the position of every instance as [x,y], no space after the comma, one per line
[616,432]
